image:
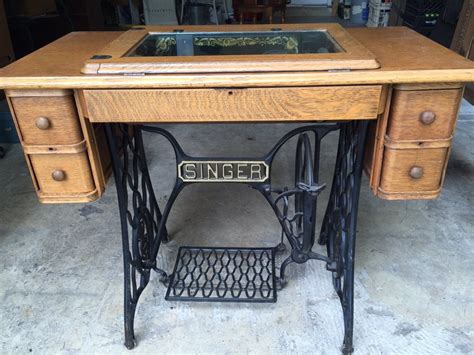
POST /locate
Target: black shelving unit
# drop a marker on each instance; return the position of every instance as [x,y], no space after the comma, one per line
[423,15]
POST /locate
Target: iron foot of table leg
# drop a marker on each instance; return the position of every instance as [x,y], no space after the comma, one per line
[347,349]
[130,341]
[347,345]
[130,306]
[130,344]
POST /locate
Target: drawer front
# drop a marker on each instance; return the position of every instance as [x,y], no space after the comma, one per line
[47,120]
[412,170]
[62,174]
[234,105]
[423,115]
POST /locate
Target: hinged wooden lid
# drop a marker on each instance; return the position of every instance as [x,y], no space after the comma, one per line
[246,48]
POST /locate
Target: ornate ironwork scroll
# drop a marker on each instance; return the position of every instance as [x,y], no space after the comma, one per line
[223,274]
[338,231]
[139,214]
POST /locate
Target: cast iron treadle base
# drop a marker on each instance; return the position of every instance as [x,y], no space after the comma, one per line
[223,275]
[240,274]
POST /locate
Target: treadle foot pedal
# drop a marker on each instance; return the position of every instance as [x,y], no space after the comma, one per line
[223,275]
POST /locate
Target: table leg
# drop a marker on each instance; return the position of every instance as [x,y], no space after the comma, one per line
[338,230]
[140,217]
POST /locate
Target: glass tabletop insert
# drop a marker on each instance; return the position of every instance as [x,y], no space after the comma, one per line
[235,43]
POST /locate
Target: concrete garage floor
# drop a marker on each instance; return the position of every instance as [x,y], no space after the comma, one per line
[61,265]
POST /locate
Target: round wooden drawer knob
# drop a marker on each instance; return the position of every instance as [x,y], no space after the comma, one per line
[427,117]
[416,172]
[42,123]
[58,175]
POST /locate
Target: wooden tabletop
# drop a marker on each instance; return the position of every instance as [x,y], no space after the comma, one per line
[404,55]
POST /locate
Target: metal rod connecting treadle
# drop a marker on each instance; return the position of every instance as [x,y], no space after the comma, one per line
[240,274]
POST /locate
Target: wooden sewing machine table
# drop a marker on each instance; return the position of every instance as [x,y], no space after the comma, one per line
[81,105]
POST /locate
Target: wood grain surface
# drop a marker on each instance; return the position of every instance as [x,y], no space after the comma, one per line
[352,56]
[68,198]
[397,164]
[428,144]
[375,145]
[76,167]
[404,55]
[55,149]
[96,146]
[60,112]
[407,106]
[406,196]
[233,105]
[427,86]
[407,59]
[399,140]
[38,92]
[62,145]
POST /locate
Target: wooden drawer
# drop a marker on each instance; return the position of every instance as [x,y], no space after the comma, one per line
[62,174]
[234,105]
[47,120]
[412,171]
[423,114]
